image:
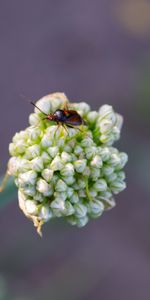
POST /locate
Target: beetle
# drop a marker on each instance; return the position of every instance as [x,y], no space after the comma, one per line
[63,117]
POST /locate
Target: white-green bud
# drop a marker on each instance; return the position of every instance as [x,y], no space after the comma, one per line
[80,210]
[96,161]
[47,174]
[90,152]
[32,152]
[58,207]
[67,170]
[124,159]
[82,193]
[117,186]
[114,160]
[95,208]
[56,163]
[100,185]
[46,141]
[65,157]
[69,180]
[60,195]
[43,187]
[37,164]
[95,173]
[45,213]
[70,192]
[112,177]
[81,222]
[121,175]
[44,104]
[69,209]
[80,165]
[92,116]
[45,157]
[29,178]
[105,153]
[108,170]
[78,150]
[87,142]
[33,133]
[82,108]
[74,198]
[34,119]
[53,151]
[61,186]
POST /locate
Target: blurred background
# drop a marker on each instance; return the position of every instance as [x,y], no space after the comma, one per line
[97,51]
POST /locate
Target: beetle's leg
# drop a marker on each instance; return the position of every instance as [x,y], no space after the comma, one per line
[58,125]
[78,129]
[64,126]
[74,127]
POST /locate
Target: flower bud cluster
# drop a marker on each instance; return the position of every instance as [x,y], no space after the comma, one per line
[66,172]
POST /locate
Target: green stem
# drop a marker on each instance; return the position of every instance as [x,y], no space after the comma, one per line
[8,193]
[87,190]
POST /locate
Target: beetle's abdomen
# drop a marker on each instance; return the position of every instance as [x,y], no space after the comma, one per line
[59,115]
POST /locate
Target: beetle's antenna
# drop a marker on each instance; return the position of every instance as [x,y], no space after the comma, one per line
[38,108]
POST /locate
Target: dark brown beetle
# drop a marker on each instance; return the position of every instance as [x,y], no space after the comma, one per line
[67,117]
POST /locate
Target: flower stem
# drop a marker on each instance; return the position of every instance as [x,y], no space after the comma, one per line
[7,188]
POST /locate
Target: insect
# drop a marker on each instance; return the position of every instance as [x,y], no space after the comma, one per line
[64,117]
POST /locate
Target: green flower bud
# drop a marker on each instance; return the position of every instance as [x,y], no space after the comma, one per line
[60,195]
[74,198]
[124,159]
[45,157]
[105,153]
[58,207]
[81,222]
[27,178]
[43,187]
[100,185]
[96,162]
[61,186]
[108,170]
[69,209]
[52,151]
[37,164]
[92,116]
[117,186]
[34,119]
[46,141]
[80,165]
[78,150]
[47,174]
[70,192]
[33,133]
[95,173]
[80,210]
[45,213]
[32,152]
[67,170]
[69,180]
[56,163]
[95,208]
[65,157]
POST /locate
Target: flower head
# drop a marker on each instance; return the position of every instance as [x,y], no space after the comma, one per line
[67,172]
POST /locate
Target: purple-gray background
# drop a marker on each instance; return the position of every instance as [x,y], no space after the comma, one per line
[97,51]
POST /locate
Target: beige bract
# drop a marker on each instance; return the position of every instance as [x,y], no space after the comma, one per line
[66,172]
